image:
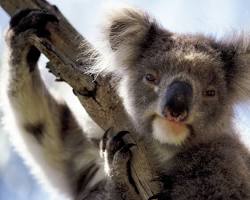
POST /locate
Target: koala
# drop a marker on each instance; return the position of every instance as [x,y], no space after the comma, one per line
[179,91]
[49,138]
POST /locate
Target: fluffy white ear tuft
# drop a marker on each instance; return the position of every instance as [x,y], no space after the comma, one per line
[124,31]
[126,26]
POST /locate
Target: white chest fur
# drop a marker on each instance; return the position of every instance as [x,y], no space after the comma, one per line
[169,132]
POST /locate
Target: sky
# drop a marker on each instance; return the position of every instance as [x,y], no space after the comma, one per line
[211,17]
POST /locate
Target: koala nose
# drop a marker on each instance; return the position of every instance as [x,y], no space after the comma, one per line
[177,101]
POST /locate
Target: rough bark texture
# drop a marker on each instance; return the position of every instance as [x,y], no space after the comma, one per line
[97,96]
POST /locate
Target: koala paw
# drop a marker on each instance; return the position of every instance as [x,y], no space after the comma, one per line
[32,19]
[22,25]
[115,151]
[117,155]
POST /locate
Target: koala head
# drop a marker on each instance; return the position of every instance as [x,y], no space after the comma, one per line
[175,86]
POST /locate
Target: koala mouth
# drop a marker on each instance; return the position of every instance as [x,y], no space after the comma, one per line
[176,117]
[171,131]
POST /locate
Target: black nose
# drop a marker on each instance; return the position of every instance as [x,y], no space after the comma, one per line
[177,100]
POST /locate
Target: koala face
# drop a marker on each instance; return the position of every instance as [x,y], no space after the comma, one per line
[173,84]
[177,82]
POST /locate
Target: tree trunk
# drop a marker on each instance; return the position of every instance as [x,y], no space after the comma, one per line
[96,95]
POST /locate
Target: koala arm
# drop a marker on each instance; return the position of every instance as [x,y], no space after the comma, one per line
[50,140]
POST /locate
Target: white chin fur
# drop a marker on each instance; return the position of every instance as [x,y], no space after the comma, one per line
[169,132]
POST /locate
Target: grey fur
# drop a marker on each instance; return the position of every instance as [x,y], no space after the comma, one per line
[202,158]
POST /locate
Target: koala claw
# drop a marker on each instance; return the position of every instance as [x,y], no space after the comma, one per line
[118,153]
[32,19]
[127,147]
[121,134]
[22,24]
[111,143]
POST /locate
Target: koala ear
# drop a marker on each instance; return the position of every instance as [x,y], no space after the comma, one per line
[127,26]
[126,31]
[235,53]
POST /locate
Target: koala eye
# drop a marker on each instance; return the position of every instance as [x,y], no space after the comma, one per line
[151,79]
[210,93]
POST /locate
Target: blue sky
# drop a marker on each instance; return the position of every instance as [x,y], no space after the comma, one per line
[212,17]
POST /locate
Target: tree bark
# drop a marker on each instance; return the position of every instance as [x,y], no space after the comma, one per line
[68,60]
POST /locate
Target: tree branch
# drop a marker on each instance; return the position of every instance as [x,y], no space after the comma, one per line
[97,96]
